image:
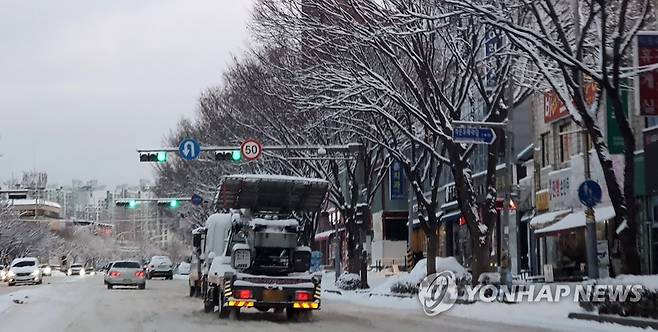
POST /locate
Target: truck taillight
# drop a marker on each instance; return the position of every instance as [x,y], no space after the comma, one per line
[302,296]
[243,294]
[115,274]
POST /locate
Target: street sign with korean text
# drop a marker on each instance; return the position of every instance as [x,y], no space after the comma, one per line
[473,135]
[189,149]
[647,54]
[251,149]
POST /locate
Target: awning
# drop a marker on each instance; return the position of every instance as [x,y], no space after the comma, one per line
[451,216]
[545,218]
[323,235]
[528,215]
[577,220]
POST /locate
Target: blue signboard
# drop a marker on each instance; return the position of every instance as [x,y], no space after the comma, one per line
[473,135]
[492,44]
[590,193]
[189,149]
[196,200]
[396,181]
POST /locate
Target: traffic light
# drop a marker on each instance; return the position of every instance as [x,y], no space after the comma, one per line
[131,204]
[174,203]
[234,155]
[151,157]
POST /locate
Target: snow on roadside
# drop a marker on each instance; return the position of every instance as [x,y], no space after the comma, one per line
[538,315]
[181,277]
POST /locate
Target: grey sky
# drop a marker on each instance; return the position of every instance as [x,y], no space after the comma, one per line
[83,83]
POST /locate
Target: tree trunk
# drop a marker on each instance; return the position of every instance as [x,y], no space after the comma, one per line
[432,246]
[480,258]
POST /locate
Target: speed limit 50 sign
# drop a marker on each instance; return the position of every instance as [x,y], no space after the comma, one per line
[251,149]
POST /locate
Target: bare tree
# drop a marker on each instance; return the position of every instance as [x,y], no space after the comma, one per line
[573,41]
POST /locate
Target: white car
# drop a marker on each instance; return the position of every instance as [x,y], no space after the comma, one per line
[125,273]
[160,266]
[24,270]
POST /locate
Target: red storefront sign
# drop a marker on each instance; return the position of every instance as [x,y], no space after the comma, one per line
[554,108]
[647,54]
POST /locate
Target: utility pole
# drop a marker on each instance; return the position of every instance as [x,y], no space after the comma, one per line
[590,220]
[509,185]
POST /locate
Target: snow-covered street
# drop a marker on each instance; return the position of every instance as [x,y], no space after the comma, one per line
[84,304]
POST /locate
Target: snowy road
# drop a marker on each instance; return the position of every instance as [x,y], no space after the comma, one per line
[84,304]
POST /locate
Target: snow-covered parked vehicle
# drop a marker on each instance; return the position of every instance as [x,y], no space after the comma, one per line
[253,254]
[160,266]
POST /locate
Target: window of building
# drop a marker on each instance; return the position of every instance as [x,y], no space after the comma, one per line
[565,142]
[545,149]
[395,229]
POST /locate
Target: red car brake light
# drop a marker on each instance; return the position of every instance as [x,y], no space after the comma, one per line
[243,294]
[302,296]
[115,274]
[139,274]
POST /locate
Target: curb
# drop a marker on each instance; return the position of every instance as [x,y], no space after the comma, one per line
[626,321]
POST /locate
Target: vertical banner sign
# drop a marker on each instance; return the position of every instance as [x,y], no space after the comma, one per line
[615,139]
[491,45]
[647,54]
[396,181]
[651,161]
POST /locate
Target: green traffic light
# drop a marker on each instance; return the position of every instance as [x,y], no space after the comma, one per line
[236,155]
[162,157]
[174,204]
[132,204]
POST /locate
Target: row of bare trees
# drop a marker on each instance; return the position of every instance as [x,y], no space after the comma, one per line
[394,75]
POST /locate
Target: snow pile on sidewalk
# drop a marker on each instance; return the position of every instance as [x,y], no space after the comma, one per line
[649,282]
[348,281]
[407,283]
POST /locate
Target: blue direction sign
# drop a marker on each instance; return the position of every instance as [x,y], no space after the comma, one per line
[590,193]
[196,200]
[189,149]
[473,135]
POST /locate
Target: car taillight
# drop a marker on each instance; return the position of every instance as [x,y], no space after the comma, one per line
[115,274]
[243,294]
[139,274]
[302,296]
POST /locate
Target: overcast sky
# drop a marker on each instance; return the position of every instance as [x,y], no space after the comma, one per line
[84,83]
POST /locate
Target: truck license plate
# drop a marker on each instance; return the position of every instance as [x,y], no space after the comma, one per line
[272,295]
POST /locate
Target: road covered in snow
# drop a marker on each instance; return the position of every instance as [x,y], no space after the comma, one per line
[84,304]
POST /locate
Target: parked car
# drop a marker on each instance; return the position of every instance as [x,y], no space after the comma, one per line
[76,269]
[3,273]
[125,273]
[46,270]
[24,270]
[160,266]
[90,270]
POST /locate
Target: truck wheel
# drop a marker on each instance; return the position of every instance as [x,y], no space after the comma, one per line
[291,314]
[304,315]
[234,314]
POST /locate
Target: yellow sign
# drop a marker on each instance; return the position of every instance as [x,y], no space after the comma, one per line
[541,201]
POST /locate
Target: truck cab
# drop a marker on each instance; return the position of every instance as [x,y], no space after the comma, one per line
[254,254]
